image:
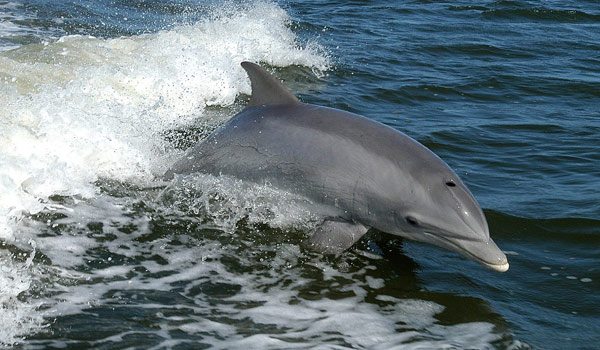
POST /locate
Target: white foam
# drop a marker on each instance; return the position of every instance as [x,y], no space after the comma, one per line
[100,107]
[269,288]
[18,317]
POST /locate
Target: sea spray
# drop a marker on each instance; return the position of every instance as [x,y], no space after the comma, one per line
[82,107]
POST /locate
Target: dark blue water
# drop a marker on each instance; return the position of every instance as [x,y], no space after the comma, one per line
[506,92]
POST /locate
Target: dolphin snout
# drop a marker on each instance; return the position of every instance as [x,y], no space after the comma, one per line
[476,243]
[486,253]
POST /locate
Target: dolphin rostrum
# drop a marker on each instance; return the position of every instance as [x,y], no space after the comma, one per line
[361,173]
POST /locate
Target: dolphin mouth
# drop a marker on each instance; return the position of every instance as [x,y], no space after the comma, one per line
[500,267]
[486,253]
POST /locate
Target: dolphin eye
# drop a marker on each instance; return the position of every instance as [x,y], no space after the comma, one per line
[450,183]
[412,221]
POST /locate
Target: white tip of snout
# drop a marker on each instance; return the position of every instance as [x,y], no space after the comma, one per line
[500,267]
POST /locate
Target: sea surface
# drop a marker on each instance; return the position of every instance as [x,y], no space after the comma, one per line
[99,98]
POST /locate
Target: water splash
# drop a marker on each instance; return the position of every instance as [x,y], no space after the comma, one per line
[80,109]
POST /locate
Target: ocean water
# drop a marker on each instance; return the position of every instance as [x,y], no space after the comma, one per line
[99,98]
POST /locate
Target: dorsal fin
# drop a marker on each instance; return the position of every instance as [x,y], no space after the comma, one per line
[266,90]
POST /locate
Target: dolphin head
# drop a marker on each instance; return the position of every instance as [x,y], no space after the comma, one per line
[442,211]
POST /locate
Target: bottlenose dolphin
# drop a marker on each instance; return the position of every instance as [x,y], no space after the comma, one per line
[359,173]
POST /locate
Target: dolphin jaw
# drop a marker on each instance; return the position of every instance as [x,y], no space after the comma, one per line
[486,253]
[499,267]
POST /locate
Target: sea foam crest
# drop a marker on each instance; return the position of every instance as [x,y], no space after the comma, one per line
[83,108]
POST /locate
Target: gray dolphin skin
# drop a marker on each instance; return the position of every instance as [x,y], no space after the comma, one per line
[359,173]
